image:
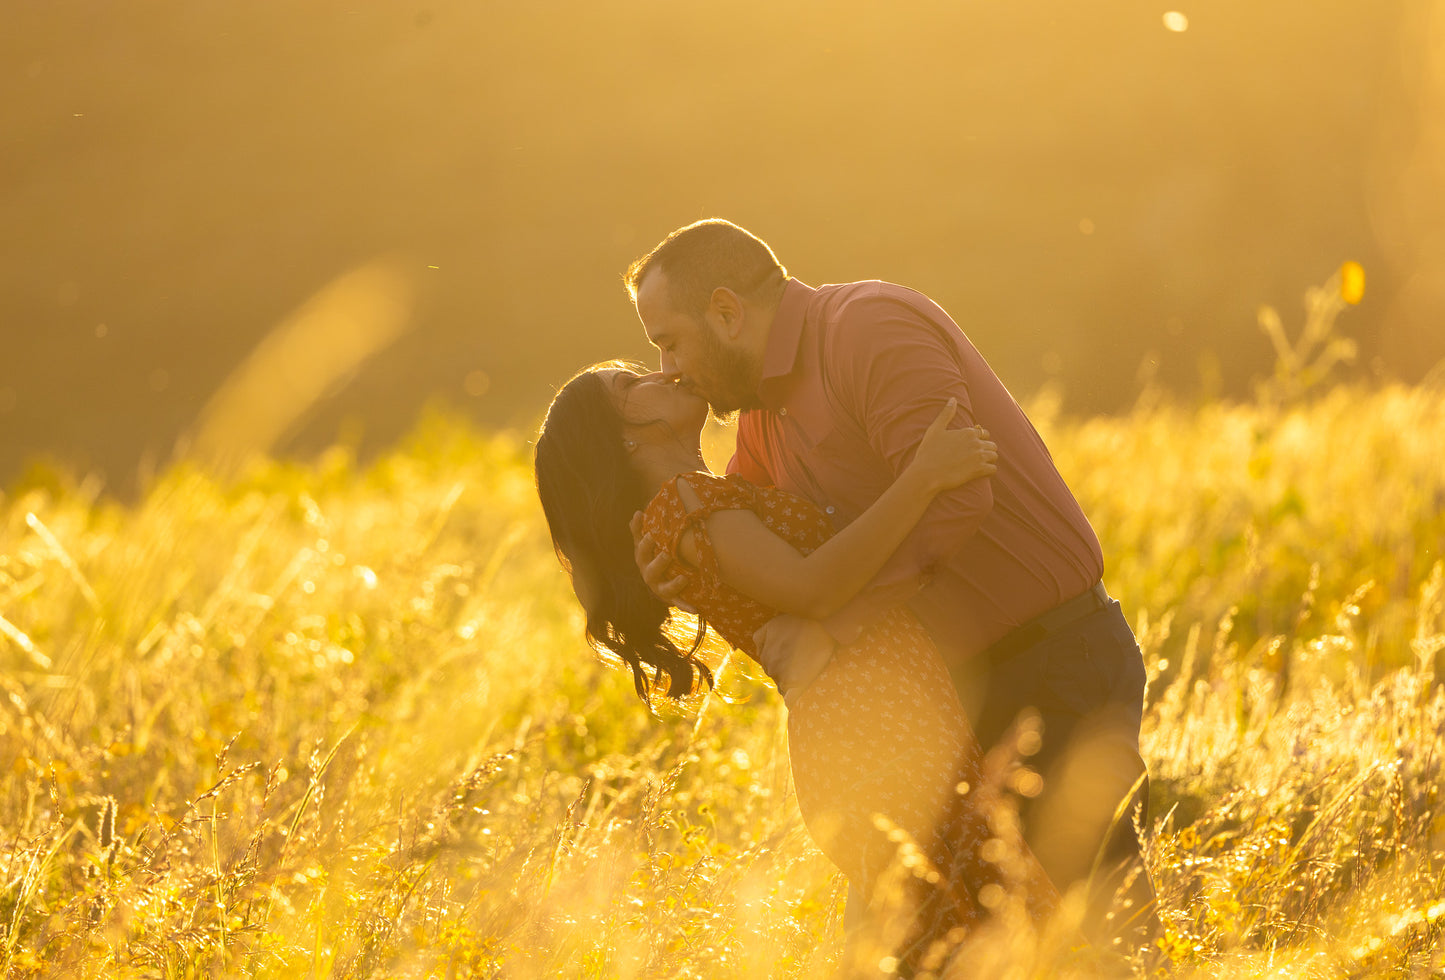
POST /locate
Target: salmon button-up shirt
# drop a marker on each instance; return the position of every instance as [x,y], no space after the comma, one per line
[852,376]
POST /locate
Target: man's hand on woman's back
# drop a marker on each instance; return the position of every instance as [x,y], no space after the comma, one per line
[793,651]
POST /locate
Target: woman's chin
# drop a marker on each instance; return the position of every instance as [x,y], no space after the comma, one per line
[697,415]
[693,433]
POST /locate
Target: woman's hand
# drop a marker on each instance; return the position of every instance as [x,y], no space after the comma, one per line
[951,457]
[655,566]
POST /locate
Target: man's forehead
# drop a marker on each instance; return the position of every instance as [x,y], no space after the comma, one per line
[661,320]
[652,281]
[654,295]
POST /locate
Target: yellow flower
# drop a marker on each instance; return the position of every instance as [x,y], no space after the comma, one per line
[1352,282]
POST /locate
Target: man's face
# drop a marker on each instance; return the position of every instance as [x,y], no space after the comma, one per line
[693,353]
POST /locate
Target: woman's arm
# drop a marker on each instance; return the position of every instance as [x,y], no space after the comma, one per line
[756,562]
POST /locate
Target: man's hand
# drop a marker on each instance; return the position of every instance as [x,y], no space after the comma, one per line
[793,651]
[654,564]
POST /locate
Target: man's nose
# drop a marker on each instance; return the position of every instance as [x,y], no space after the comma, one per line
[669,367]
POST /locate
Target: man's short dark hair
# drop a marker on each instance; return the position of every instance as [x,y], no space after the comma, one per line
[707,254]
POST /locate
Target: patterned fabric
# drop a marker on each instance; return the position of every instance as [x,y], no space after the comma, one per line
[880,731]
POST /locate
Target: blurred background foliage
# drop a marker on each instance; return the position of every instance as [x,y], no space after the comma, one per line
[1090,190]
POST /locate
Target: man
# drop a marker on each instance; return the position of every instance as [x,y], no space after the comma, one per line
[835,387]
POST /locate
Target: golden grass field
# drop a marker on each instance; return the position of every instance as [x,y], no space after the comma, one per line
[334,720]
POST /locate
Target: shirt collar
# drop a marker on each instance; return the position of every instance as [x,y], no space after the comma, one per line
[784,337]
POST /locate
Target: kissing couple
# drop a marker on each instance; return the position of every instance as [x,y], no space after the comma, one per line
[893,544]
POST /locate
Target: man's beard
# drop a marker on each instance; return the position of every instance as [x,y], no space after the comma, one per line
[725,419]
[732,379]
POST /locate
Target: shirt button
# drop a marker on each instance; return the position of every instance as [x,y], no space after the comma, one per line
[782,411]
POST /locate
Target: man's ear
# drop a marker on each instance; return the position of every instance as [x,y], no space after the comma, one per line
[725,312]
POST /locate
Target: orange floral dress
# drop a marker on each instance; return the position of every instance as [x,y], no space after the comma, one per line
[879,732]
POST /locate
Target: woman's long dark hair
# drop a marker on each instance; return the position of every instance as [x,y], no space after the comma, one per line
[589,491]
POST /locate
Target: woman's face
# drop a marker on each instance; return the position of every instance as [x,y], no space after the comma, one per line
[641,399]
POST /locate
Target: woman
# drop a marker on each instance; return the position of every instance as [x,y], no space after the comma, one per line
[879,730]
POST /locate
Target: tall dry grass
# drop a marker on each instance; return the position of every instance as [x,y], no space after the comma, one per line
[338,721]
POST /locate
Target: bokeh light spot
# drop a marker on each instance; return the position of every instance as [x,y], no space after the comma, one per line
[477,383]
[1176,22]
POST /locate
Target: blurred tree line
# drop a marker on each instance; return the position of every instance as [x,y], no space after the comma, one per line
[1096,192]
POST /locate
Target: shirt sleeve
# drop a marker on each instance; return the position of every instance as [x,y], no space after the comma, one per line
[893,367]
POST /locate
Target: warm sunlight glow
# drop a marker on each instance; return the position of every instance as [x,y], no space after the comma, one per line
[322,635]
[176,184]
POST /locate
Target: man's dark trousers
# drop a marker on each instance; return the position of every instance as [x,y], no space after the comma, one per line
[1084,679]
